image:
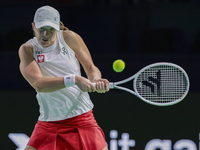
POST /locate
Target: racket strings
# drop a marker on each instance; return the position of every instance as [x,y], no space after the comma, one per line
[161,84]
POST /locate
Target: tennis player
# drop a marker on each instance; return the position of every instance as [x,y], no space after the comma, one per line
[50,62]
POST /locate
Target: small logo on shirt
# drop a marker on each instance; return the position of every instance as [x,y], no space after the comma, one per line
[64,51]
[40,58]
[38,52]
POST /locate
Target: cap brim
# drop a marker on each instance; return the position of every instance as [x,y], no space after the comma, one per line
[46,23]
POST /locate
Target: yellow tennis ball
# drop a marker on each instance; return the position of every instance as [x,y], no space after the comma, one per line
[118,65]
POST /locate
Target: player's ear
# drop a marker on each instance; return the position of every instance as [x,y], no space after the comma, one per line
[33,25]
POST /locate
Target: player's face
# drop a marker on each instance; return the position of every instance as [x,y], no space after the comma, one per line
[46,35]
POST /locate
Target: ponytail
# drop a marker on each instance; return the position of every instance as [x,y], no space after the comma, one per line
[62,26]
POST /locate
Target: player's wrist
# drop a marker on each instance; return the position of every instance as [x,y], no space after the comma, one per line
[77,79]
[94,80]
[69,80]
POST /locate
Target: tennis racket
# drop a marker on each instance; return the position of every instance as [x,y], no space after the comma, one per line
[160,84]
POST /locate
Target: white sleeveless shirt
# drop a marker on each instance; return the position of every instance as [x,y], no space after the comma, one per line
[59,60]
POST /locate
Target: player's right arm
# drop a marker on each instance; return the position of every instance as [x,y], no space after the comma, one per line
[32,73]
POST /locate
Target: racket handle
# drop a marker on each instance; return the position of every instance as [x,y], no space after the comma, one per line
[111,85]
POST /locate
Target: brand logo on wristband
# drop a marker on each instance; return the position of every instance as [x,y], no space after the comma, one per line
[40,58]
[69,80]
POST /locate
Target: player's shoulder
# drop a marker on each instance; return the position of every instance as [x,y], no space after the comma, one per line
[70,35]
[26,48]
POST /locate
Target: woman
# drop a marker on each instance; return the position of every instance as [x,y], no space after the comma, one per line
[50,63]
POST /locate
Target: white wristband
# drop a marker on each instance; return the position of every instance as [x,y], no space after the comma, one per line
[69,80]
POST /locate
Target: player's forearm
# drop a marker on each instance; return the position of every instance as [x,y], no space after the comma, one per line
[93,74]
[49,84]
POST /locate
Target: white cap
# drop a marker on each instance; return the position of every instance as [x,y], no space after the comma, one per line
[47,16]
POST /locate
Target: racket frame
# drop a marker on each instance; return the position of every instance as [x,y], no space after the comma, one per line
[114,85]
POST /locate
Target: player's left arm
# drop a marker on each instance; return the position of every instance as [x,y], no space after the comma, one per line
[82,53]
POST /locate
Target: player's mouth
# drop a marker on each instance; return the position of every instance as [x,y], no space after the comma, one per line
[44,39]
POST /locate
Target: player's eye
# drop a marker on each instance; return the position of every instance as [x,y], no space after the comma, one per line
[52,29]
[42,29]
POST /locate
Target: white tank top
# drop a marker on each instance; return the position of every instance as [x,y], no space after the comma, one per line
[59,60]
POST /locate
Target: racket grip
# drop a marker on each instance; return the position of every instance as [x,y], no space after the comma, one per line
[111,85]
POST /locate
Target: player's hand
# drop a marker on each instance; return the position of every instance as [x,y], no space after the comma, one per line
[102,86]
[84,84]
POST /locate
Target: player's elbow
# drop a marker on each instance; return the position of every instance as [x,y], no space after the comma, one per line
[38,86]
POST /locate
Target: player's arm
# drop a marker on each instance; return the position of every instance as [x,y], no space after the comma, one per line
[32,73]
[83,55]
